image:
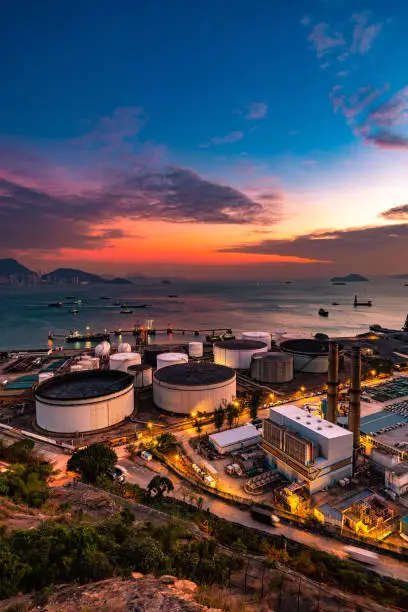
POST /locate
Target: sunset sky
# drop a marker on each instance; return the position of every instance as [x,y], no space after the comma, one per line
[205,138]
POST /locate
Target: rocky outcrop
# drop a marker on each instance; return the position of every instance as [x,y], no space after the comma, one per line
[136,594]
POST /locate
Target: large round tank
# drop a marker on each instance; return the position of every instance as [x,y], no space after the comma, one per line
[102,349]
[84,401]
[186,388]
[309,355]
[262,336]
[143,375]
[237,353]
[121,361]
[167,359]
[195,349]
[272,367]
[151,352]
[124,347]
[77,367]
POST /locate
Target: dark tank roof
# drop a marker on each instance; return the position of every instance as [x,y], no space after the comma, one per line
[240,345]
[139,367]
[194,374]
[306,346]
[84,385]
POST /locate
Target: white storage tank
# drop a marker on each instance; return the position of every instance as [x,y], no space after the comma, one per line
[309,355]
[102,349]
[94,363]
[122,361]
[272,367]
[262,336]
[77,368]
[84,401]
[186,388]
[124,347]
[195,349]
[143,375]
[167,359]
[237,353]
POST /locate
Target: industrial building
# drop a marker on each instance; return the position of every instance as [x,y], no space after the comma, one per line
[364,513]
[235,439]
[396,478]
[262,336]
[309,355]
[272,367]
[307,449]
[84,401]
[191,387]
[237,354]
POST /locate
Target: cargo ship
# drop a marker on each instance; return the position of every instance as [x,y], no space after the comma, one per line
[77,336]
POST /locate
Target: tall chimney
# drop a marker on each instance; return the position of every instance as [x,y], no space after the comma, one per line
[355,394]
[333,382]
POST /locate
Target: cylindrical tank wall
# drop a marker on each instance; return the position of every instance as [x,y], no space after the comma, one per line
[124,347]
[166,359]
[122,361]
[102,349]
[195,349]
[272,367]
[185,400]
[238,359]
[84,415]
[143,376]
[258,335]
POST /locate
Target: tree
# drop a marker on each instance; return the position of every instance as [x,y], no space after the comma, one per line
[159,485]
[232,414]
[219,417]
[198,426]
[93,461]
[165,442]
[253,410]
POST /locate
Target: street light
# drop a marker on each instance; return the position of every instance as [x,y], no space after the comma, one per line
[373,373]
[194,414]
[149,425]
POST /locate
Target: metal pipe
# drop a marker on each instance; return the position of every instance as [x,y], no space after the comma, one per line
[333,383]
[355,396]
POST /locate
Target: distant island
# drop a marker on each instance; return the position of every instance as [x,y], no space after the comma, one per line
[14,273]
[350,278]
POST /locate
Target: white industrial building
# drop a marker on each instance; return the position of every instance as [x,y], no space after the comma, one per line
[396,478]
[84,401]
[237,354]
[191,387]
[235,439]
[307,449]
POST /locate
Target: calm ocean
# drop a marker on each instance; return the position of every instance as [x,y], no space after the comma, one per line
[25,317]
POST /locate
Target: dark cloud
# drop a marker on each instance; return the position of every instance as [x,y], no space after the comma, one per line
[39,219]
[396,213]
[373,248]
[388,140]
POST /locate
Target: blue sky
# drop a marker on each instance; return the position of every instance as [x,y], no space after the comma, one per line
[298,107]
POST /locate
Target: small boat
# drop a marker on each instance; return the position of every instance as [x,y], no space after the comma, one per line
[104,298]
[357,303]
[169,330]
[126,311]
[406,285]
[323,312]
[117,303]
[335,304]
[78,302]
[74,311]
[55,305]
[196,333]
[172,295]
[166,282]
[288,282]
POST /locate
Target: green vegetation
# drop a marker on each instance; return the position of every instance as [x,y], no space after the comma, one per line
[159,485]
[166,442]
[219,417]
[93,461]
[253,410]
[54,554]
[232,414]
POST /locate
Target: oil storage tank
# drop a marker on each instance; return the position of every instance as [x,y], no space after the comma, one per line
[195,349]
[167,359]
[84,401]
[102,349]
[143,375]
[124,347]
[237,353]
[151,352]
[272,367]
[309,355]
[121,361]
[262,336]
[185,388]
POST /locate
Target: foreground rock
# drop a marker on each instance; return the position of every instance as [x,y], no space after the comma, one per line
[136,594]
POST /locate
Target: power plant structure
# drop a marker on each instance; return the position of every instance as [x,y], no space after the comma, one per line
[272,367]
[186,388]
[84,401]
[333,383]
[237,354]
[309,355]
[355,397]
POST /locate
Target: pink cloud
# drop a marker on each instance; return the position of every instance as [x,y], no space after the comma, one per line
[228,138]
[323,41]
[257,110]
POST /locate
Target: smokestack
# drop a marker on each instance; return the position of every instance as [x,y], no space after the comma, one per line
[355,394]
[333,382]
